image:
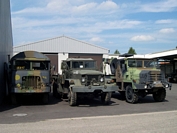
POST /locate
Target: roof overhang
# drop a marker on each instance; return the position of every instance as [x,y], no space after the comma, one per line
[165,55]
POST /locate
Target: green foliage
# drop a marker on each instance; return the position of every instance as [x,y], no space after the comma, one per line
[116,52]
[131,51]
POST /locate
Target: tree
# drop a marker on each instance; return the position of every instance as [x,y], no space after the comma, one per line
[116,52]
[131,51]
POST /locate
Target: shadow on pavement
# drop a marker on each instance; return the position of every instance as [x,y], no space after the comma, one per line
[146,99]
[27,100]
[86,102]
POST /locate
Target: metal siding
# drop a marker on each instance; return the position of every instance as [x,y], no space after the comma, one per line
[6,47]
[162,54]
[62,44]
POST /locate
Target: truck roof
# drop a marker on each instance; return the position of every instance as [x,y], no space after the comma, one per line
[30,55]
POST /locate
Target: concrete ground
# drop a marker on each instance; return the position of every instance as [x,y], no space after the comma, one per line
[154,122]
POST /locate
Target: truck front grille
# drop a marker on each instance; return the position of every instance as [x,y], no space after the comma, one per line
[92,77]
[155,76]
[30,81]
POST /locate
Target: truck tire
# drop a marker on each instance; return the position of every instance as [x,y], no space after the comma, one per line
[106,98]
[13,98]
[45,98]
[72,98]
[160,95]
[131,97]
[55,91]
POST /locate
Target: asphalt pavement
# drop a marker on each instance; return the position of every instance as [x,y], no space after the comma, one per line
[31,110]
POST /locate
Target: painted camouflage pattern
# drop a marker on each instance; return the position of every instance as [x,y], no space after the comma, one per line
[138,77]
[29,81]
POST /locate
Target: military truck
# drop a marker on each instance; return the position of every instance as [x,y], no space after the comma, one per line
[28,72]
[80,78]
[139,76]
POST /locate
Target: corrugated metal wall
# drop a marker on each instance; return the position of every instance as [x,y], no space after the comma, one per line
[60,45]
[6,47]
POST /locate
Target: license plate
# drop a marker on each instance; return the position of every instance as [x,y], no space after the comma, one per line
[96,84]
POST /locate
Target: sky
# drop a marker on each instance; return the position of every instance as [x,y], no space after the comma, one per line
[147,26]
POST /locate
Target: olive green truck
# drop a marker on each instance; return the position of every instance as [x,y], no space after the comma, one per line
[138,76]
[80,78]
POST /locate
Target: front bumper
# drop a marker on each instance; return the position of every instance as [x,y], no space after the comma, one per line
[31,90]
[90,89]
[153,85]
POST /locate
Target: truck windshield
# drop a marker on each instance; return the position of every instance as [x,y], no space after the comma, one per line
[139,63]
[31,65]
[135,63]
[150,63]
[83,64]
[40,65]
[90,64]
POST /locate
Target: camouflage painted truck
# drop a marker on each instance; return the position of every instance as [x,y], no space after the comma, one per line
[80,78]
[28,72]
[139,76]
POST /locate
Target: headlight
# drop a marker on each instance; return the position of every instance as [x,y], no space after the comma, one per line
[145,87]
[101,79]
[166,85]
[83,79]
[18,86]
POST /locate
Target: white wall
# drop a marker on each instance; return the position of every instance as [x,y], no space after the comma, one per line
[6,47]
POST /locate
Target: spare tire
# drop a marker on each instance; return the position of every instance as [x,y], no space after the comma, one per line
[114,65]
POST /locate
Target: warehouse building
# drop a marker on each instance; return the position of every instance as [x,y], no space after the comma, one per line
[60,48]
[6,47]
[168,60]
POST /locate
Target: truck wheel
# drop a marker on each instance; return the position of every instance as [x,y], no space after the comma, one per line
[131,97]
[72,98]
[13,98]
[55,91]
[45,98]
[106,98]
[160,95]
